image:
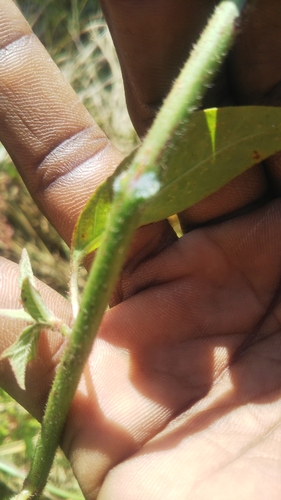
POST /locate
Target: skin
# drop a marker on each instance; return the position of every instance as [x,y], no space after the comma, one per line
[181,397]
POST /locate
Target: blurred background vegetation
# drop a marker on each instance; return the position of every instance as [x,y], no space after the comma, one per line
[76,36]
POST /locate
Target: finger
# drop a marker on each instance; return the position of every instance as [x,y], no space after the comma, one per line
[255,78]
[59,150]
[40,373]
[153,42]
[246,191]
[254,67]
[254,62]
[153,39]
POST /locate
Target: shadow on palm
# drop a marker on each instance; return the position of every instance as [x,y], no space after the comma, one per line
[195,341]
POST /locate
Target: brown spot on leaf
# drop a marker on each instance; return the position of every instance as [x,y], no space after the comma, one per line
[257,156]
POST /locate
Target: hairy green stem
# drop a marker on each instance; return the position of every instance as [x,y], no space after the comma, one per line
[139,183]
[102,279]
[192,83]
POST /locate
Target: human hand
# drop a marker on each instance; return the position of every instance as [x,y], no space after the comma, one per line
[182,389]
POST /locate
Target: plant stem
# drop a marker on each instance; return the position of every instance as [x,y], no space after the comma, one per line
[192,83]
[73,288]
[139,183]
[99,287]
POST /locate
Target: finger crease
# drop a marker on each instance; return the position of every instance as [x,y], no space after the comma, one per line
[69,156]
[14,44]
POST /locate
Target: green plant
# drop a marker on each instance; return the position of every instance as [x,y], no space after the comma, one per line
[137,194]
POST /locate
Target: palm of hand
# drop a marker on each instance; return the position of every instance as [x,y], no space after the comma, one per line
[186,373]
[183,387]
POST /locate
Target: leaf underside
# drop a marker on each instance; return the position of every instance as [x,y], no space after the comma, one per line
[23,351]
[213,148]
[25,268]
[20,314]
[91,222]
[34,304]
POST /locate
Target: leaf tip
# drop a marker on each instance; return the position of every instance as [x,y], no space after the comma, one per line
[25,268]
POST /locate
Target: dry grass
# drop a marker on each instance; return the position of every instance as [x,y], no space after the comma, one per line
[23,225]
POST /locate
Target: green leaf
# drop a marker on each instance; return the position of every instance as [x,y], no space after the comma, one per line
[25,268]
[34,304]
[16,314]
[91,222]
[214,147]
[23,351]
[211,153]
[211,119]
